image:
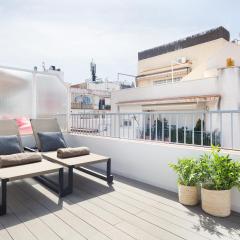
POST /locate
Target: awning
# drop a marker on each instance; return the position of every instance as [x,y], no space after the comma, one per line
[175,100]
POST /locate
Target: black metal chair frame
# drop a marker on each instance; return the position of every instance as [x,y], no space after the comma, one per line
[56,187]
[68,189]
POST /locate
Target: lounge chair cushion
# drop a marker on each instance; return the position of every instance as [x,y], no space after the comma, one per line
[19,159]
[51,141]
[72,152]
[10,144]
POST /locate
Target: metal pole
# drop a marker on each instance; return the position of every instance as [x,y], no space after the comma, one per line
[150,126]
[169,128]
[156,128]
[184,135]
[221,139]
[232,130]
[177,128]
[144,126]
[202,119]
[211,137]
[193,126]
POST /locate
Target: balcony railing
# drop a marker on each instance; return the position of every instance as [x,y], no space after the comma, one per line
[199,128]
[76,105]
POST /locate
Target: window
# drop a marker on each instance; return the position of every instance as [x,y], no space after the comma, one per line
[166,81]
[127,123]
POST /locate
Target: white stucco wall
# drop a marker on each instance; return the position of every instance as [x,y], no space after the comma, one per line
[206,58]
[145,161]
[227,84]
[197,54]
[207,86]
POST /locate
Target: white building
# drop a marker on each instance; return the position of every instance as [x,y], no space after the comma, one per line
[200,78]
[92,96]
[186,75]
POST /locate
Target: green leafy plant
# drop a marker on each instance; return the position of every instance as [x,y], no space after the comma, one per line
[187,170]
[218,171]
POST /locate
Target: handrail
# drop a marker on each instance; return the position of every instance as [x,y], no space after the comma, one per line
[200,128]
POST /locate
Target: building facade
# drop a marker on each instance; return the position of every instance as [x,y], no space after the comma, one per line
[189,74]
[92,96]
[200,73]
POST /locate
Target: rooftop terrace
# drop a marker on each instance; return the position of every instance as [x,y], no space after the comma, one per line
[141,145]
[125,210]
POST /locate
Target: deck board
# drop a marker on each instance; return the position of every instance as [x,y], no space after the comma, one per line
[190,221]
[96,211]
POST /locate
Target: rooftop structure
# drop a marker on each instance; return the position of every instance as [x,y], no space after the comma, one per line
[195,57]
[189,74]
[92,96]
[142,202]
[120,185]
[191,41]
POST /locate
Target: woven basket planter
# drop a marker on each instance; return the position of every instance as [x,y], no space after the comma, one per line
[216,203]
[187,195]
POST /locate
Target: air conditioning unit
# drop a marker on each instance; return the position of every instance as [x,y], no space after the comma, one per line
[182,60]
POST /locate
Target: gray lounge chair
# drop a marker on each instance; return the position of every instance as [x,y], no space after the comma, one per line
[7,174]
[78,163]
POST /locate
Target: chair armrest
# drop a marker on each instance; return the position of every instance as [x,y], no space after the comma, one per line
[28,149]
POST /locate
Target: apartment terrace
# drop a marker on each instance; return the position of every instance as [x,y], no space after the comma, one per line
[142,202]
[126,210]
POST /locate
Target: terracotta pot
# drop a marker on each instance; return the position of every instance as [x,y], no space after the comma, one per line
[216,203]
[187,195]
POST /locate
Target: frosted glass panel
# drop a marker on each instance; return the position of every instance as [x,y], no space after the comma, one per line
[27,94]
[52,98]
[16,97]
[15,93]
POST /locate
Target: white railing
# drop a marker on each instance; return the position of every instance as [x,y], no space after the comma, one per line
[200,128]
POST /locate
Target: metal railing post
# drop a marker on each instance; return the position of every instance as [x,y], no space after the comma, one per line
[150,126]
[156,128]
[232,130]
[193,127]
[184,134]
[177,128]
[202,119]
[145,126]
[169,128]
[211,136]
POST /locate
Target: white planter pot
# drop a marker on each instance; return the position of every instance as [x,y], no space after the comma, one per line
[216,203]
[187,195]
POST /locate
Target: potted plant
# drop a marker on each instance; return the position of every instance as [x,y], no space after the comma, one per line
[230,62]
[218,175]
[187,171]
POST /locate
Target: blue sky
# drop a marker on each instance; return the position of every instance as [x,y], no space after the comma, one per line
[69,33]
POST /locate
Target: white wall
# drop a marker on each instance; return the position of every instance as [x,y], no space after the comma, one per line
[145,161]
[206,58]
[104,86]
[207,86]
[227,85]
[198,54]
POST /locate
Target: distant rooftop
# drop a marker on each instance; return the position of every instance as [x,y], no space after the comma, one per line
[190,41]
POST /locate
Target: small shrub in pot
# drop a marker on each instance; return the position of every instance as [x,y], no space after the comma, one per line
[187,171]
[218,174]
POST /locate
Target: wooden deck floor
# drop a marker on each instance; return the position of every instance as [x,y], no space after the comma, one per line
[126,210]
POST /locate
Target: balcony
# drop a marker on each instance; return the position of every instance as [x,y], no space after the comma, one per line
[76,105]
